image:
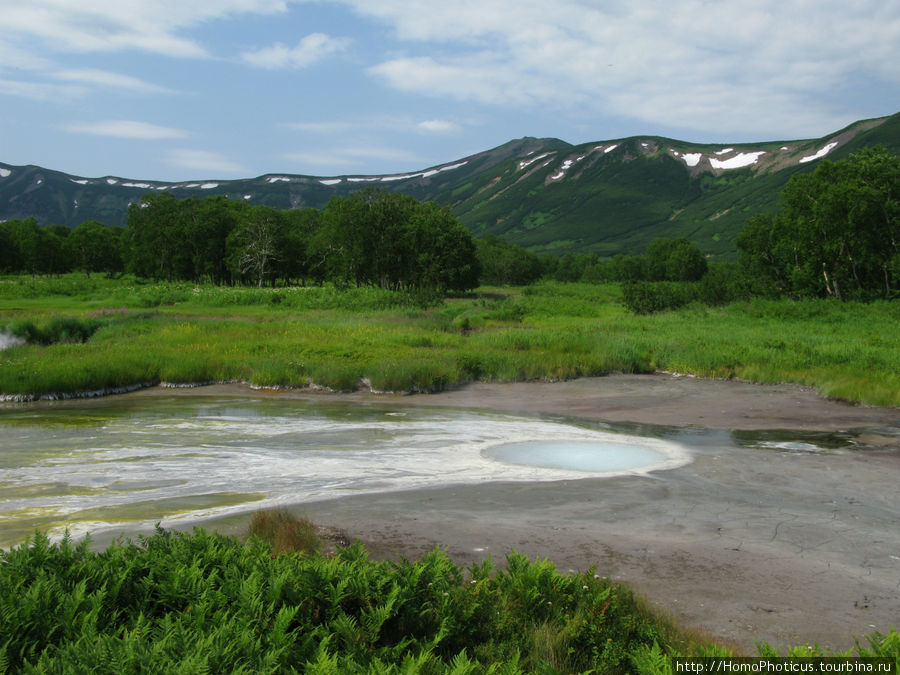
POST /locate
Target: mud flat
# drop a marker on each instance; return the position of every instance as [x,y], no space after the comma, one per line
[787,542]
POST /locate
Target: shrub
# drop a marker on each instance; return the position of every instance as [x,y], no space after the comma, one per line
[647,297]
[57,329]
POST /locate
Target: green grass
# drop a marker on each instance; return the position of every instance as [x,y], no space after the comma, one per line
[144,333]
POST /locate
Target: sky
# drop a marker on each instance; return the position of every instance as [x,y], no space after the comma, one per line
[193,89]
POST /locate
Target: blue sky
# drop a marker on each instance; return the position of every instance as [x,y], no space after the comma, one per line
[193,89]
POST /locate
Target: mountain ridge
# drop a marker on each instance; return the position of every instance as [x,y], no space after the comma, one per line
[548,195]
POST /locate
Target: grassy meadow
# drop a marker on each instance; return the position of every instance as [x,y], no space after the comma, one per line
[91,333]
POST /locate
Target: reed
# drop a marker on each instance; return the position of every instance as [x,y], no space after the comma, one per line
[284,531]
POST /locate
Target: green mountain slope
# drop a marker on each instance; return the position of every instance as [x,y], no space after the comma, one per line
[605,197]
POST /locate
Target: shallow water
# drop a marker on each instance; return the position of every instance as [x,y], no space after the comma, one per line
[91,465]
[609,457]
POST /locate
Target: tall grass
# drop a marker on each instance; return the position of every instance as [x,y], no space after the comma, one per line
[342,339]
[284,531]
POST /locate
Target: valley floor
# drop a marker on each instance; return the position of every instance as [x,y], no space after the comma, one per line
[746,543]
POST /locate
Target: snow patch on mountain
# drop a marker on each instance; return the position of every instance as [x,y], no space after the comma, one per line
[145,186]
[690,158]
[4,173]
[450,167]
[400,176]
[81,181]
[423,174]
[526,162]
[562,170]
[820,154]
[566,165]
[738,161]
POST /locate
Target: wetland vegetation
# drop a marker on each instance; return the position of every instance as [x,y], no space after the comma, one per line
[91,333]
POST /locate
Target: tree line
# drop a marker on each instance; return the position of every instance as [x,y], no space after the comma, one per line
[836,235]
[28,248]
[371,238]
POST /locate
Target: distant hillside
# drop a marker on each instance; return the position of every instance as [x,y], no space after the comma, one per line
[605,197]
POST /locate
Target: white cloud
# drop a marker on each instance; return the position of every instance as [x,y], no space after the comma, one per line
[309,50]
[482,78]
[328,127]
[438,127]
[204,160]
[747,65]
[112,25]
[379,123]
[105,78]
[13,57]
[39,91]
[127,129]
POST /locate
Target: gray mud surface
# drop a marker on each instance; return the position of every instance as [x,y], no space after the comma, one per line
[784,545]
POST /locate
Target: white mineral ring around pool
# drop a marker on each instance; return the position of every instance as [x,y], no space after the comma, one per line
[608,455]
[182,463]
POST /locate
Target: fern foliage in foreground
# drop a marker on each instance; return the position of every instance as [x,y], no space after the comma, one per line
[201,602]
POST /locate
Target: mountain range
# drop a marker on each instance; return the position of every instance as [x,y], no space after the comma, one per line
[605,197]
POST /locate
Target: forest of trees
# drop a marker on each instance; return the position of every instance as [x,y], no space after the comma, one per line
[28,248]
[836,235]
[369,238]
